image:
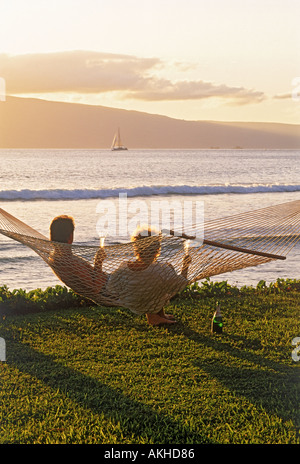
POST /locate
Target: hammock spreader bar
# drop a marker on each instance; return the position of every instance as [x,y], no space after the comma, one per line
[231,247]
[243,250]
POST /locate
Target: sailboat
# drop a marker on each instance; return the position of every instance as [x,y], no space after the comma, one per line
[117,144]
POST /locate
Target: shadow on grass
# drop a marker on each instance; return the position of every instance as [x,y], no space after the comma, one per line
[136,419]
[267,383]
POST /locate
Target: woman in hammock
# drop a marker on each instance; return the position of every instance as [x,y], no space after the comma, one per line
[145,286]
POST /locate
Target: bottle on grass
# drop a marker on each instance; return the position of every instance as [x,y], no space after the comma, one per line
[217,321]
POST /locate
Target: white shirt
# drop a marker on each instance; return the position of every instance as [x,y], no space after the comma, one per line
[145,291]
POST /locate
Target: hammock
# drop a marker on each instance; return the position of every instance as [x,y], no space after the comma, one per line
[231,243]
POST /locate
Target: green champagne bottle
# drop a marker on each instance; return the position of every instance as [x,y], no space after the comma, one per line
[217,321]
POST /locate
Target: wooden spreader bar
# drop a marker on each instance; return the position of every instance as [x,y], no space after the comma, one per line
[231,247]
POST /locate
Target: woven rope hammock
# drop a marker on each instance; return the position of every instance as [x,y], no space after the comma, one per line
[144,274]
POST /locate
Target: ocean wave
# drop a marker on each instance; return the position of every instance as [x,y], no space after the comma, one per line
[86,194]
[17,259]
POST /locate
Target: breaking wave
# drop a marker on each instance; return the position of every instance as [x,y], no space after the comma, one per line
[143,191]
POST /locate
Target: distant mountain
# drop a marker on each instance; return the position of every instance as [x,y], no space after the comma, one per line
[34,123]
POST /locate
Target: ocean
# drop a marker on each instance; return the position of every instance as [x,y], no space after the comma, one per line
[37,185]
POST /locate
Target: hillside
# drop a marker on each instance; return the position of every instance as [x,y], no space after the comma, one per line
[34,123]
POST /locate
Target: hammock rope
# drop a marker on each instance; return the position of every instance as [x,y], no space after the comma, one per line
[110,275]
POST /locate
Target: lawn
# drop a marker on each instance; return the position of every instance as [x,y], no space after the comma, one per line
[90,374]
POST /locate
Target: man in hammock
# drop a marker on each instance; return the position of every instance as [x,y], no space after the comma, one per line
[145,286]
[73,270]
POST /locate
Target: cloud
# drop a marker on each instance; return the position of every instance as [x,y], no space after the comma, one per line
[194,90]
[74,71]
[95,72]
[283,96]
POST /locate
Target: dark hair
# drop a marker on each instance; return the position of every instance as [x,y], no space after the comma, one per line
[61,228]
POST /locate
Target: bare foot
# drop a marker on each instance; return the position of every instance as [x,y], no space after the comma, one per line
[170,316]
[167,316]
[156,320]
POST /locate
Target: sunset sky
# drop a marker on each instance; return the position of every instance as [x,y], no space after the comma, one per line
[223,60]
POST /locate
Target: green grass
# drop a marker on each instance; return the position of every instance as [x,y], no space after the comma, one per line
[91,374]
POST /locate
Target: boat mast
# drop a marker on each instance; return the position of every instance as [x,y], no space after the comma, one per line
[119,138]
